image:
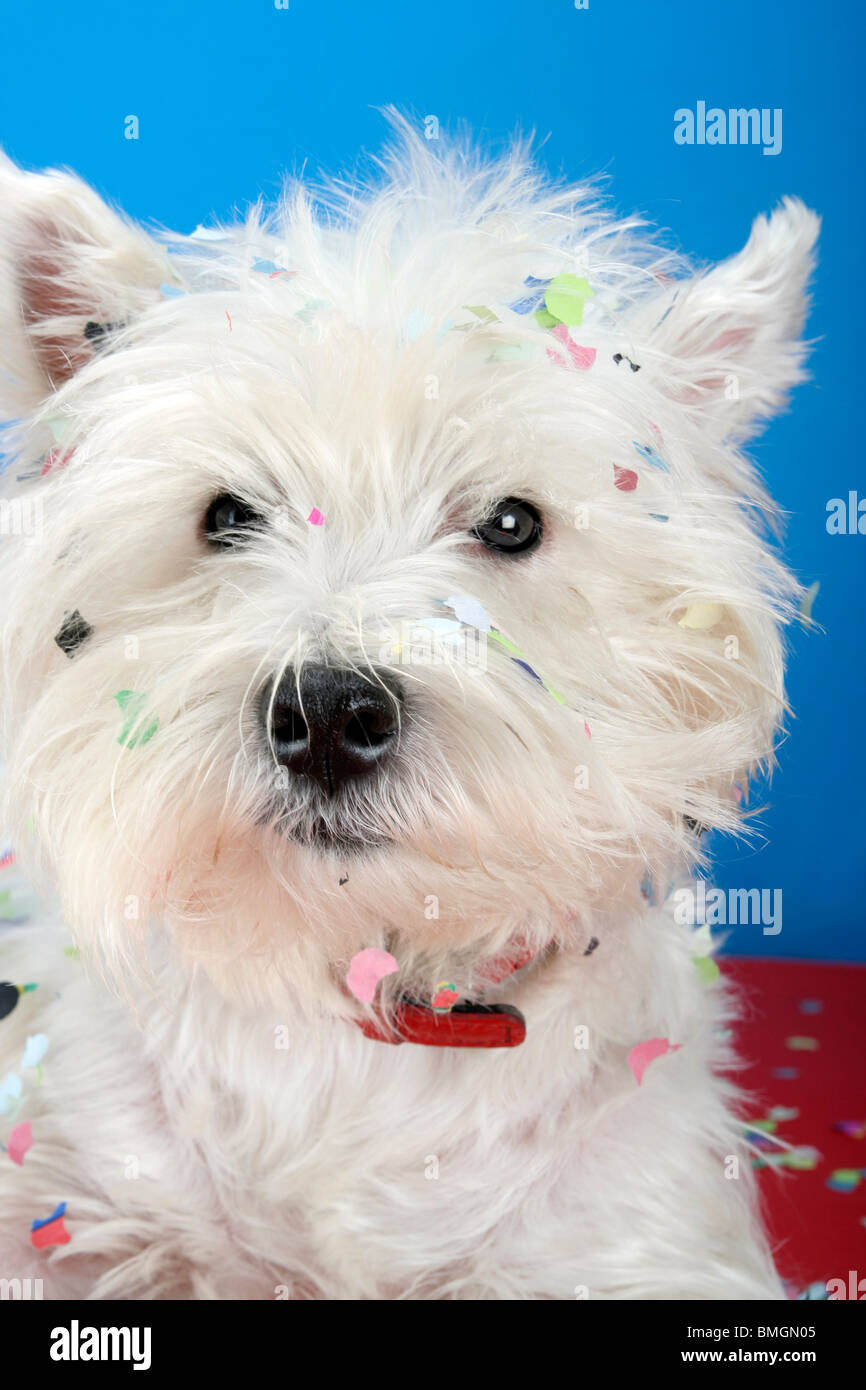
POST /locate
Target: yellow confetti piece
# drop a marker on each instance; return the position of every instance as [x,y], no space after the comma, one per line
[708,971]
[797,1044]
[702,939]
[808,599]
[565,298]
[702,616]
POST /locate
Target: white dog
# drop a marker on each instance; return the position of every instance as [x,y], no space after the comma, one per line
[383,590]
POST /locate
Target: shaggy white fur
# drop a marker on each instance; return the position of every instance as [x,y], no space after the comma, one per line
[214,1120]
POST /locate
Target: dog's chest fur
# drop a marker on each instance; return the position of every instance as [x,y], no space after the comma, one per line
[289,1162]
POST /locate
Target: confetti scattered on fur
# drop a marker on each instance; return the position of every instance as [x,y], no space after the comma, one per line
[35,1050]
[445,997]
[641,1056]
[580,357]
[132,704]
[624,478]
[10,1090]
[470,610]
[366,969]
[707,969]
[702,616]
[51,1231]
[20,1140]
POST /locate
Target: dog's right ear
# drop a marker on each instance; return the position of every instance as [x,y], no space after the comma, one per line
[70,270]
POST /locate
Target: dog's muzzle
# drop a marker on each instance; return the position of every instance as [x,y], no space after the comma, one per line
[332,725]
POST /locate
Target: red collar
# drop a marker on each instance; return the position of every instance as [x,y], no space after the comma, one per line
[466,1024]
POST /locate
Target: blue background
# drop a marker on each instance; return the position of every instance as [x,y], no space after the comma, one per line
[231,93]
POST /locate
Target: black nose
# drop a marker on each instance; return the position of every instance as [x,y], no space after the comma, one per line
[332,724]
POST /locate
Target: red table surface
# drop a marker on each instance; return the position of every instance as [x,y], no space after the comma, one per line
[817,1233]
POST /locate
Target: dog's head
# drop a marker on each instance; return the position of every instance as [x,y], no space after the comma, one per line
[384,573]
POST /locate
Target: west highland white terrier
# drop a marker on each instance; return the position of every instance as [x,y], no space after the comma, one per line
[387,605]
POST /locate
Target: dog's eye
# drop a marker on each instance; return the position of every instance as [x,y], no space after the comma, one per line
[513,527]
[228,520]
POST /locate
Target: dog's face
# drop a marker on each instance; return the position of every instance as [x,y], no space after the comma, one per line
[349,614]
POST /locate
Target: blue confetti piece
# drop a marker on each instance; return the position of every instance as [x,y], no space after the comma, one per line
[267,267]
[531,301]
[416,324]
[526,666]
[659,516]
[815,1292]
[811,1006]
[55,1216]
[651,456]
[786,1073]
[525,306]
[171,292]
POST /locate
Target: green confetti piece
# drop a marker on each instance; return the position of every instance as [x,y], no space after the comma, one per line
[59,426]
[708,971]
[798,1044]
[132,704]
[768,1126]
[801,1160]
[482,312]
[27,989]
[565,298]
[512,352]
[844,1179]
[544,319]
[784,1112]
[504,642]
[73,951]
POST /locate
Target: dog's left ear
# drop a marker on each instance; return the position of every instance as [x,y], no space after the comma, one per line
[727,342]
[71,270]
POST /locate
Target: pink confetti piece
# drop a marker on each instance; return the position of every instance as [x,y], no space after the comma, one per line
[586,729]
[316,518]
[7,859]
[855,1129]
[624,478]
[640,1057]
[54,460]
[581,357]
[20,1140]
[229,317]
[366,969]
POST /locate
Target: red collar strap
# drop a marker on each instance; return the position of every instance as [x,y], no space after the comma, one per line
[464,1025]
